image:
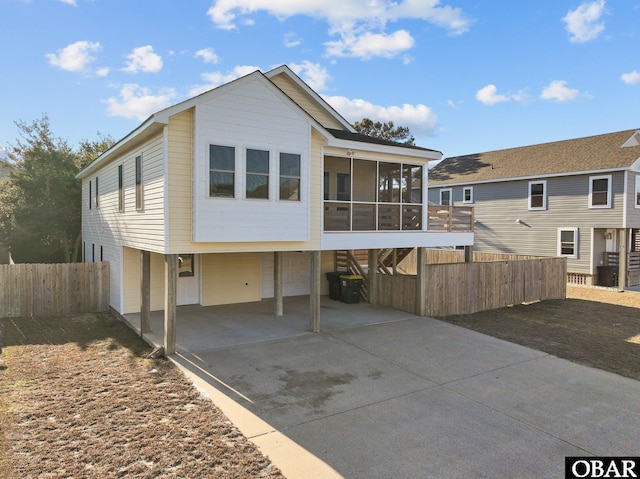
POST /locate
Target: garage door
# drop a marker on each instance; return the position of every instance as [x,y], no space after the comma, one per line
[295,274]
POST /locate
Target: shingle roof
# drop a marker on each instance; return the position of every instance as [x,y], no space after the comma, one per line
[592,153]
[347,135]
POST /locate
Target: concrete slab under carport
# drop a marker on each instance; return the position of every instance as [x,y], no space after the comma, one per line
[412,397]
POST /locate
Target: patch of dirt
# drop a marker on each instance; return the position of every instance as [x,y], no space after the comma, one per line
[78,399]
[596,327]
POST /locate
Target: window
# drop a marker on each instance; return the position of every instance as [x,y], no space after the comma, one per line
[257,184]
[600,191]
[411,184]
[538,195]
[389,183]
[90,195]
[290,177]
[97,194]
[139,182]
[343,187]
[222,161]
[327,186]
[467,194]
[445,197]
[637,191]
[120,189]
[568,242]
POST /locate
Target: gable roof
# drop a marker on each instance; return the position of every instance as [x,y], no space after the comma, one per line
[353,136]
[593,153]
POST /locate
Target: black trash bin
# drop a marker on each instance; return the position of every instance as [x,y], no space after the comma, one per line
[350,288]
[608,276]
[335,290]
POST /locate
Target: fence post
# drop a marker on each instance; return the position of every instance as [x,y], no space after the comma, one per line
[420,282]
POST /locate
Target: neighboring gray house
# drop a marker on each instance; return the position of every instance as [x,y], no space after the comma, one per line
[576,198]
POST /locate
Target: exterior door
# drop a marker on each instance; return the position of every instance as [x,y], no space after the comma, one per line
[188,279]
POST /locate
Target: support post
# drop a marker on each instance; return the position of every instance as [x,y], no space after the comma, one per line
[170,300]
[622,260]
[314,292]
[373,276]
[278,308]
[468,254]
[145,292]
[421,307]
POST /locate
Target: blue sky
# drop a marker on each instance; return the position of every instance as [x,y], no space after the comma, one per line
[465,76]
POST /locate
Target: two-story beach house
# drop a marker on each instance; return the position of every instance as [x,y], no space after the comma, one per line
[246,192]
[577,198]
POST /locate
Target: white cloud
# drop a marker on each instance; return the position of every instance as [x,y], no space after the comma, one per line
[359,24]
[313,74]
[215,79]
[143,59]
[583,23]
[73,3]
[557,90]
[103,71]
[207,55]
[489,96]
[420,119]
[369,45]
[136,102]
[75,57]
[631,78]
[291,40]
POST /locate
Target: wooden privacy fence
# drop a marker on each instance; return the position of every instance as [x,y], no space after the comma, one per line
[53,289]
[465,288]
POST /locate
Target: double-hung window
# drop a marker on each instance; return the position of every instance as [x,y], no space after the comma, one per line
[445,197]
[538,195]
[600,191]
[290,177]
[222,167]
[467,194]
[257,184]
[568,242]
[637,191]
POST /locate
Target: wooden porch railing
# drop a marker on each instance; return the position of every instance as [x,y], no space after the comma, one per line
[451,219]
[633,260]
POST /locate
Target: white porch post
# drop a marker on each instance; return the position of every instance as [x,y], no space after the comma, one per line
[170,300]
[421,309]
[314,291]
[145,292]
[278,309]
[373,275]
[622,260]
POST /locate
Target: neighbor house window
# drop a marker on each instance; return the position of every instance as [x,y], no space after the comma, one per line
[120,189]
[637,191]
[290,177]
[467,194]
[537,195]
[445,197]
[257,184]
[600,191]
[97,194]
[222,167]
[90,195]
[568,242]
[139,182]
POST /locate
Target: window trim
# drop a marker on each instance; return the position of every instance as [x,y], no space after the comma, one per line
[281,176]
[544,195]
[248,173]
[464,195]
[443,190]
[609,182]
[236,173]
[575,231]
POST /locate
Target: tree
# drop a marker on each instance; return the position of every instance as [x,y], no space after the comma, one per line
[385,131]
[40,198]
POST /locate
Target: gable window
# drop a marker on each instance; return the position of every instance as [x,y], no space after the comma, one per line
[568,242]
[290,177]
[538,195]
[445,197]
[120,189]
[467,194]
[257,185]
[139,182]
[222,166]
[600,191]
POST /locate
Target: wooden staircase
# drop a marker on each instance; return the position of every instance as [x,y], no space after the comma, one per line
[356,262]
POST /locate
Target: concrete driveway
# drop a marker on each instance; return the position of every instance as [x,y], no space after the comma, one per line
[384,394]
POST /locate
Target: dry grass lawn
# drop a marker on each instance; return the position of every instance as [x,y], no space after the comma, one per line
[78,399]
